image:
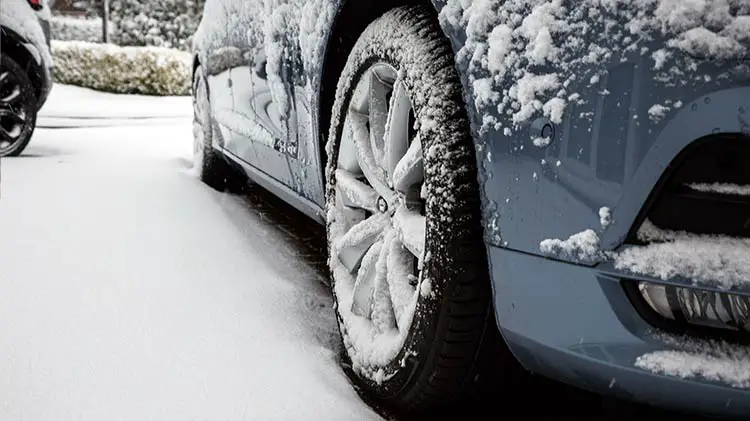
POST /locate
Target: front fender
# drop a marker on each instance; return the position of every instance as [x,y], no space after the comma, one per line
[630,106]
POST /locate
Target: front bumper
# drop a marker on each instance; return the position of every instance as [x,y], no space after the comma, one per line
[575,324]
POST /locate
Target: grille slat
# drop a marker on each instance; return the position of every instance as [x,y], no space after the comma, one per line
[721,160]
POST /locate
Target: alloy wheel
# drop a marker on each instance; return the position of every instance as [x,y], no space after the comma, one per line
[378,232]
[14,110]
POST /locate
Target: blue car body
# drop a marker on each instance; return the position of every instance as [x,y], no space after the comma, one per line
[564,318]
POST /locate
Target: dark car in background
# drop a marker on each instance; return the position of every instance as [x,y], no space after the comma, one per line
[570,174]
[25,70]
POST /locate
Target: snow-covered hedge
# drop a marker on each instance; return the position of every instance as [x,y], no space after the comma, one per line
[161,23]
[65,28]
[126,70]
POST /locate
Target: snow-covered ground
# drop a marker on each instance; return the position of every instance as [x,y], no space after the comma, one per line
[130,291]
[72,106]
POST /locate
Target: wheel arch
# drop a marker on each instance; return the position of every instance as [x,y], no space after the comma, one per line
[352,19]
[12,45]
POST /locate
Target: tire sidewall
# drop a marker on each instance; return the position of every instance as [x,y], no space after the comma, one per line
[434,88]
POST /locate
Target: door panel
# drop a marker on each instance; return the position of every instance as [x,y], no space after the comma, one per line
[222,101]
[268,117]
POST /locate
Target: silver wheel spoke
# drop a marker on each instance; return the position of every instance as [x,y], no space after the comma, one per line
[15,93]
[382,316]
[8,137]
[354,193]
[365,157]
[410,227]
[365,283]
[397,128]
[353,245]
[400,267]
[17,117]
[378,114]
[409,171]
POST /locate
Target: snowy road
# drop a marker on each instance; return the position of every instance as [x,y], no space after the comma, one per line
[129,290]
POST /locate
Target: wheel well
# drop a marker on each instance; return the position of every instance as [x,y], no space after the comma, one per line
[353,18]
[12,46]
[196,63]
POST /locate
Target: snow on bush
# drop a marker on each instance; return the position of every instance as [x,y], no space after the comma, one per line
[125,70]
[527,57]
[161,23]
[66,28]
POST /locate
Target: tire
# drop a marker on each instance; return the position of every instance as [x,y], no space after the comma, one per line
[437,357]
[211,166]
[18,108]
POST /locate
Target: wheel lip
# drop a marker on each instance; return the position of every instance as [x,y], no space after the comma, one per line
[402,357]
[28,109]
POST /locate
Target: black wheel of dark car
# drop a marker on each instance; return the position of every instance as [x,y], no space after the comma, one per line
[18,107]
[409,268]
[212,168]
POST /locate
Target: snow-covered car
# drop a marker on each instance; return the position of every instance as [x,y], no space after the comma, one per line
[25,70]
[575,168]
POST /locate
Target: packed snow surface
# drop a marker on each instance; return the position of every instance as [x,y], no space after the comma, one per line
[132,291]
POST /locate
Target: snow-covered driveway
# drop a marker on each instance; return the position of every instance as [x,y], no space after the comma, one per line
[130,291]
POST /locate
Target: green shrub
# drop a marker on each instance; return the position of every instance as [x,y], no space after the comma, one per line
[124,70]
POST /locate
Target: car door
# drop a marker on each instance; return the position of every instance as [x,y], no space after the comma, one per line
[222,41]
[264,100]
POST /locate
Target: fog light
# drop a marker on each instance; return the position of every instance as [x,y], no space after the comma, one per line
[698,307]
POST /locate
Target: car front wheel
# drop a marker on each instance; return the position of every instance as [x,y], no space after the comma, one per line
[408,262]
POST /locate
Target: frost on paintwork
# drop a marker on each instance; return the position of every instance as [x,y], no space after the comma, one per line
[274,37]
[523,56]
[287,31]
[17,16]
[692,358]
[316,18]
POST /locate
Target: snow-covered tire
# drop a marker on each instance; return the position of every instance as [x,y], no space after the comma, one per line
[212,168]
[432,360]
[18,108]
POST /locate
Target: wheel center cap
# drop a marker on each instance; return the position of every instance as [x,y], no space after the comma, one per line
[382,205]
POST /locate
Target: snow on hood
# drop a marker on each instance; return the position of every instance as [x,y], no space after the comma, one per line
[20,18]
[511,45]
